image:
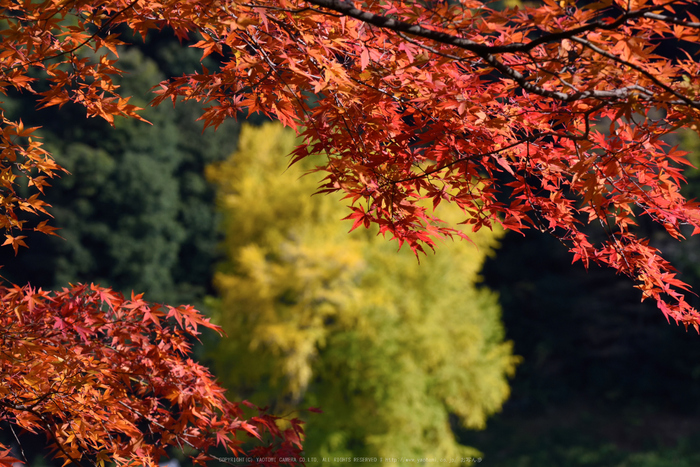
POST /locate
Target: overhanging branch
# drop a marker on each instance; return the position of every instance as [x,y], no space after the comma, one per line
[489,53]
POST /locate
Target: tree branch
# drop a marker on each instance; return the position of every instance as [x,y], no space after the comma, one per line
[489,52]
[348,9]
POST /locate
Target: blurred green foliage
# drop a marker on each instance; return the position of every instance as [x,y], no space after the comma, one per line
[394,352]
[136,212]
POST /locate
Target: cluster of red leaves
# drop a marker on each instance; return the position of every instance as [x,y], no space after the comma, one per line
[548,116]
[41,36]
[109,380]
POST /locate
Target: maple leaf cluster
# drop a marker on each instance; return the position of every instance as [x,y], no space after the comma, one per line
[549,117]
[109,380]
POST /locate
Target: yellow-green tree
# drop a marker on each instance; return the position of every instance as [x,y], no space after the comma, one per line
[389,349]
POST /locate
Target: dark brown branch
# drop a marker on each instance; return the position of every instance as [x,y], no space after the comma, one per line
[489,53]
[384,22]
[651,77]
[19,444]
[348,9]
[672,20]
[428,173]
[47,427]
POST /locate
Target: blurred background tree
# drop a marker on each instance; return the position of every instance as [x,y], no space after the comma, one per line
[393,352]
[136,213]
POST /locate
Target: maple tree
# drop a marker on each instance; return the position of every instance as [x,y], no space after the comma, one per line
[549,116]
[564,106]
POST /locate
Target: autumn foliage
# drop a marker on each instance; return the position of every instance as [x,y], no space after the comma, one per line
[92,370]
[561,108]
[549,116]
